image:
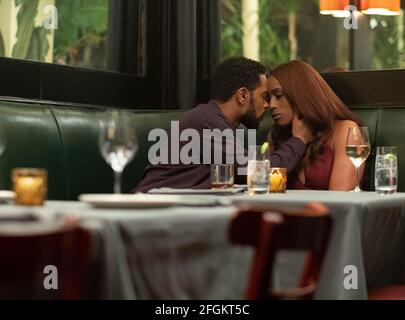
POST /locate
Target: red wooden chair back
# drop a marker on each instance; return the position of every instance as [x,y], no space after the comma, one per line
[24,256]
[272,230]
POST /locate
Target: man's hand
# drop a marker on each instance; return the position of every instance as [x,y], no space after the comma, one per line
[300,130]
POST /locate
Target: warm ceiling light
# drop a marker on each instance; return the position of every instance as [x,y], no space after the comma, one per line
[381,7]
[335,8]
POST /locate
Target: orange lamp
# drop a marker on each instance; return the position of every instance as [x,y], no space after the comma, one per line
[334,7]
[381,7]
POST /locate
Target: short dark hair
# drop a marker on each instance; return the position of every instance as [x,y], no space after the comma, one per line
[233,74]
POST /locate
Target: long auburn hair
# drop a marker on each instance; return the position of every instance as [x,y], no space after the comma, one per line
[313,101]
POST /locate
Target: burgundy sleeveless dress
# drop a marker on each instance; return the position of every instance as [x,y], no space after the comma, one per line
[317,175]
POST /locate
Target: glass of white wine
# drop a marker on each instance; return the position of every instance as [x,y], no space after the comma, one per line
[358,149]
[117,142]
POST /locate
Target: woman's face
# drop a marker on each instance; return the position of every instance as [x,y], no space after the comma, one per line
[280,107]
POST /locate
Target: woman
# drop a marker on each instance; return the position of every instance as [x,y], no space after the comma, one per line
[298,90]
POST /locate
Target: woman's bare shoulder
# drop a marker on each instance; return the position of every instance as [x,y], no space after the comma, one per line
[342,126]
[340,131]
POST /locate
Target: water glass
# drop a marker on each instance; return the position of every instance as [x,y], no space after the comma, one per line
[386,170]
[222,176]
[258,170]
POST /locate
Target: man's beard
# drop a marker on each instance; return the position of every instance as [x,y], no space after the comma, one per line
[249,120]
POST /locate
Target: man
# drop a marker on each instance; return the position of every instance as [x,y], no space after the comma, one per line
[239,96]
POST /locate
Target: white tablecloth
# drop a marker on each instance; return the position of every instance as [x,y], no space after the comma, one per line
[184,253]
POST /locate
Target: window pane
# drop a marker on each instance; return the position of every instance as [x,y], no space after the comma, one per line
[72,32]
[80,39]
[387,39]
[276,31]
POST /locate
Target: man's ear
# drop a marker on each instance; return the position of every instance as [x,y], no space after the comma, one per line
[242,95]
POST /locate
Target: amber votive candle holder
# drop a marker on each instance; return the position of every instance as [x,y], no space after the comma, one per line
[30,186]
[278,180]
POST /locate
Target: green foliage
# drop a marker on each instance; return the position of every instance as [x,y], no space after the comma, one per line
[25,20]
[2,46]
[39,45]
[273,26]
[31,41]
[292,5]
[81,23]
[388,43]
[274,44]
[232,29]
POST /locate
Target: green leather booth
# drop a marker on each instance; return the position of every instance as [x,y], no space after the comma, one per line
[64,140]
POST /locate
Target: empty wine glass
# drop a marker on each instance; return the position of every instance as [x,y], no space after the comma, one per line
[358,149]
[117,142]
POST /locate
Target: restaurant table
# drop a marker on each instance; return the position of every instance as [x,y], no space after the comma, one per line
[183,252]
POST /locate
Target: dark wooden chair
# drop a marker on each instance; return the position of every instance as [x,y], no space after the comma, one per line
[393,292]
[271,230]
[25,254]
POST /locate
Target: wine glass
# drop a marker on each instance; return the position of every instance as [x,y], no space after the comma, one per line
[118,142]
[358,149]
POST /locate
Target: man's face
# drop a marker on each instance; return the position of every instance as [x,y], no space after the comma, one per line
[258,103]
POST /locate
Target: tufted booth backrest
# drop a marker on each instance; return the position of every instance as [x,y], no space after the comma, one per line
[32,139]
[87,172]
[64,140]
